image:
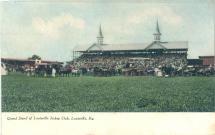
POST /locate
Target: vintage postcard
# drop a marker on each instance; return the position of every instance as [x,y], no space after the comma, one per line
[107,67]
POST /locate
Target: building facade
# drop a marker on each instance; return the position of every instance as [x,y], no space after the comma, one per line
[207,60]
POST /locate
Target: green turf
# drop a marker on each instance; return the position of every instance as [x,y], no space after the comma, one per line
[107,94]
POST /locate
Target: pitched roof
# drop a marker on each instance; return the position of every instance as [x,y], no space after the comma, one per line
[27,60]
[133,46]
[175,44]
[111,47]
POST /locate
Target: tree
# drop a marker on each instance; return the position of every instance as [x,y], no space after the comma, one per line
[34,57]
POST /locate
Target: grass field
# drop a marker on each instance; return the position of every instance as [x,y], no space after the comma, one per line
[107,94]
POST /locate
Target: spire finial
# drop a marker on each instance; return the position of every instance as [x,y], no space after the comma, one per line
[157,27]
[100,31]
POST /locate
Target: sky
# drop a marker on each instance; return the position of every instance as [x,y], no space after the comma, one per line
[52,29]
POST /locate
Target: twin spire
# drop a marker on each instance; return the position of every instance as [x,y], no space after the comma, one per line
[100,36]
[157,35]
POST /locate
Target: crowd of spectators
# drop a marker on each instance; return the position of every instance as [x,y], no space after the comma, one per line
[140,62]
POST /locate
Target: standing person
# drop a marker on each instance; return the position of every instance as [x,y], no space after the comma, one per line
[53,72]
[3,69]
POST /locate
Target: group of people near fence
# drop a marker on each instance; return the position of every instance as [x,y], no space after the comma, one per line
[127,65]
[107,65]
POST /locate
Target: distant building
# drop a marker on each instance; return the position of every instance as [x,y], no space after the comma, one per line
[207,60]
[14,64]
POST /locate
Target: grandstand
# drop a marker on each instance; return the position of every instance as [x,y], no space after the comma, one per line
[141,56]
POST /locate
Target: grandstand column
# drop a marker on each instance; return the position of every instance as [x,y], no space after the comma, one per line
[73,55]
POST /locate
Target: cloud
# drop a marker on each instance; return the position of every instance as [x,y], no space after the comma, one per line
[139,23]
[52,28]
[166,14]
[19,46]
[48,33]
